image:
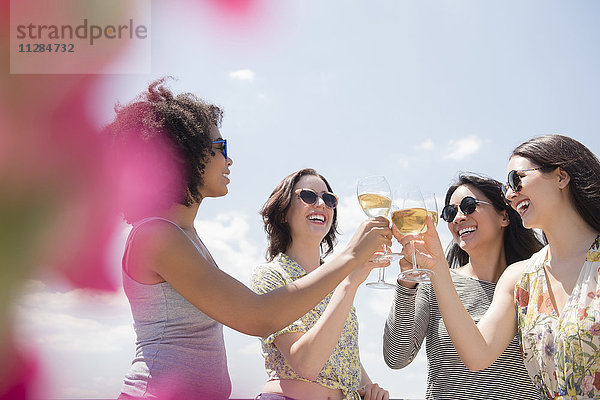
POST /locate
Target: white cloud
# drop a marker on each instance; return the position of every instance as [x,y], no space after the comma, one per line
[426,145]
[242,75]
[250,349]
[84,339]
[403,162]
[227,238]
[75,321]
[380,305]
[37,295]
[459,149]
[350,215]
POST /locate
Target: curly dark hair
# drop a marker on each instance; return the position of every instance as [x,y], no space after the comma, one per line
[275,209]
[177,124]
[520,243]
[556,151]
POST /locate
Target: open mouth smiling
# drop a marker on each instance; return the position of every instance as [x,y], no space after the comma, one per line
[467,230]
[522,207]
[318,218]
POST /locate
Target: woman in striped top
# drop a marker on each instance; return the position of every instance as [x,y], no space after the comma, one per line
[551,300]
[487,236]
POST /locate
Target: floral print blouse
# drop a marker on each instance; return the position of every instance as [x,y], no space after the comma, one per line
[343,369]
[561,352]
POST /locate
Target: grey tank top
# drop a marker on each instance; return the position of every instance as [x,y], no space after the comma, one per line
[180,351]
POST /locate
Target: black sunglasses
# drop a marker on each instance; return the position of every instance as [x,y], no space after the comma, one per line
[310,197]
[223,143]
[514,180]
[467,206]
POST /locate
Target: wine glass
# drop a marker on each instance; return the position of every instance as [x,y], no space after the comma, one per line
[409,218]
[375,198]
[431,207]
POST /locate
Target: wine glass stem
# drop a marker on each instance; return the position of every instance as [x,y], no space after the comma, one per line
[381,274]
[414,255]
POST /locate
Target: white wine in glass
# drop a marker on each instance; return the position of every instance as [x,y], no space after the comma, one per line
[375,205]
[431,206]
[410,221]
[434,216]
[375,198]
[410,218]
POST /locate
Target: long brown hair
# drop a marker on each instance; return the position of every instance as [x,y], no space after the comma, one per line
[519,242]
[275,209]
[557,151]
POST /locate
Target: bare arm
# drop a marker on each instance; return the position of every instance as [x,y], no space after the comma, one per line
[308,352]
[364,377]
[478,345]
[370,390]
[164,249]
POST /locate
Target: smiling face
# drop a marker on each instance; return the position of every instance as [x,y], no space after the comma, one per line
[482,227]
[537,201]
[216,170]
[305,221]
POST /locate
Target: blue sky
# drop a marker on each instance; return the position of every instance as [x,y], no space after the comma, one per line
[414,90]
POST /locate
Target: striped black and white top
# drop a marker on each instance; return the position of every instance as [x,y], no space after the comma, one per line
[415,315]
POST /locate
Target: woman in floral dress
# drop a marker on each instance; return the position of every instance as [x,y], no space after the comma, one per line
[552,300]
[316,357]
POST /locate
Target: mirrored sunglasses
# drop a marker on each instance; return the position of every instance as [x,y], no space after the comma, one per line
[223,143]
[310,197]
[467,206]
[514,180]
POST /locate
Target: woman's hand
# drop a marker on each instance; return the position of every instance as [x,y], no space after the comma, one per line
[372,391]
[369,237]
[428,249]
[405,262]
[360,274]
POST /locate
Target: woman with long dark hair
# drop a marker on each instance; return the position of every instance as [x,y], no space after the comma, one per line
[487,236]
[551,300]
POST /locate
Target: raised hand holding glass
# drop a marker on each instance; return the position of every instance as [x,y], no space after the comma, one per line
[409,217]
[375,198]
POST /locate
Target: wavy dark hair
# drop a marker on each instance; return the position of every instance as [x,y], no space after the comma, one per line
[520,243]
[177,124]
[275,209]
[557,151]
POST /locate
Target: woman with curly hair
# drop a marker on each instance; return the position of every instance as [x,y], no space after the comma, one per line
[172,156]
[317,356]
[551,301]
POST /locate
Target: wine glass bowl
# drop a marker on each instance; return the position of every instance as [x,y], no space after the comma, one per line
[375,204]
[410,218]
[375,198]
[432,207]
[410,221]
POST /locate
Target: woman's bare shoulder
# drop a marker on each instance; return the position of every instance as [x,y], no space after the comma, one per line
[512,274]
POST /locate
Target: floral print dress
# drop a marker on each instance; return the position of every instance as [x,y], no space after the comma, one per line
[343,369]
[561,352]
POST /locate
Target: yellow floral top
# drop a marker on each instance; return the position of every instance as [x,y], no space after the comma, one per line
[561,352]
[343,369]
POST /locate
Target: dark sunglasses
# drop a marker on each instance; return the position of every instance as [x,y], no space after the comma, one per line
[467,206]
[223,148]
[310,197]
[514,180]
